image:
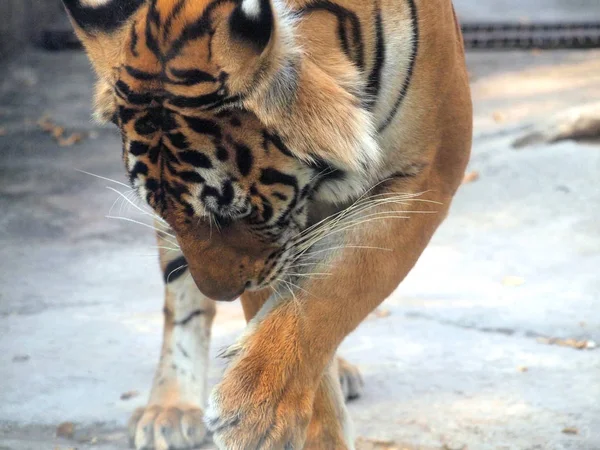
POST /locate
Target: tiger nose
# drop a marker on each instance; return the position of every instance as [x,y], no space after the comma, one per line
[223,263]
[218,290]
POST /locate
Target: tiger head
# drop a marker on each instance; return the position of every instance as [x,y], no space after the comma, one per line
[181,79]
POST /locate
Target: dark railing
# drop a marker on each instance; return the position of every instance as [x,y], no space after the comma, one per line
[489,36]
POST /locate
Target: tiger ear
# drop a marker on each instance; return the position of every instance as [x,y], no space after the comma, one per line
[258,36]
[253,22]
[93,16]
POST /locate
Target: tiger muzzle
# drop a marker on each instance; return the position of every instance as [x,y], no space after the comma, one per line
[223,263]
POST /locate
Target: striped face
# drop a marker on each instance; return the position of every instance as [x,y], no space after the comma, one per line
[173,77]
[230,189]
[189,149]
[215,168]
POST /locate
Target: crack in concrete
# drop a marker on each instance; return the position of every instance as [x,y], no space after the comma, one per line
[504,331]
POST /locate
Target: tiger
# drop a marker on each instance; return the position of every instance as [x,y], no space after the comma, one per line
[296,154]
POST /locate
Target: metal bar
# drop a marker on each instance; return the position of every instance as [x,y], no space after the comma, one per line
[490,36]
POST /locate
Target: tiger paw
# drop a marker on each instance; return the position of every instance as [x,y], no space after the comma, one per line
[166,428]
[350,379]
[247,411]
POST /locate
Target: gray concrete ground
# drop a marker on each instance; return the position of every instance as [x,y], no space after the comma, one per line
[453,361]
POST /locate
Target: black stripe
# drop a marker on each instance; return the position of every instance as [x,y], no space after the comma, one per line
[348,29]
[413,59]
[153,13]
[146,124]
[191,177]
[173,14]
[190,77]
[212,100]
[178,140]
[154,152]
[175,269]
[204,126]
[138,168]
[267,209]
[243,159]
[141,75]
[137,148]
[151,42]
[222,154]
[227,194]
[124,92]
[105,18]
[189,317]
[270,176]
[196,159]
[182,350]
[133,40]
[195,30]
[277,142]
[176,191]
[374,82]
[126,114]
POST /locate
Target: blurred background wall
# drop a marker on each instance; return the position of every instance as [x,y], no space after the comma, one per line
[24,21]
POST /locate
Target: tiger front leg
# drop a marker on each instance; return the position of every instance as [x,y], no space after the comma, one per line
[267,397]
[173,417]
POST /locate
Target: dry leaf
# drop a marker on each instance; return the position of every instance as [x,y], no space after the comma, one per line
[570,430]
[129,394]
[523,369]
[2,131]
[58,132]
[73,139]
[572,343]
[380,313]
[513,281]
[498,117]
[364,443]
[471,177]
[65,430]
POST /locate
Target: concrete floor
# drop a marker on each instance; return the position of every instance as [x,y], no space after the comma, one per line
[457,363]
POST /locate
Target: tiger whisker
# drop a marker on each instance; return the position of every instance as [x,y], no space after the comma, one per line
[183,266]
[328,228]
[275,291]
[343,228]
[308,275]
[360,206]
[300,265]
[307,243]
[138,208]
[162,247]
[127,219]
[298,287]
[308,255]
[104,178]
